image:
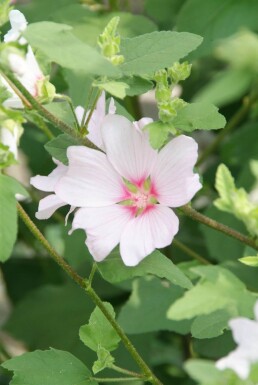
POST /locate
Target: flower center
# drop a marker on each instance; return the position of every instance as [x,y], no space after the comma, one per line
[139,197]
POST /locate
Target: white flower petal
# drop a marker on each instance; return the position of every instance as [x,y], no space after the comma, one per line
[245,333]
[142,122]
[18,24]
[48,205]
[48,183]
[236,362]
[127,149]
[103,226]
[112,107]
[143,234]
[173,177]
[90,180]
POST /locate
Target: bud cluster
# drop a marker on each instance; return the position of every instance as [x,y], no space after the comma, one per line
[165,80]
[109,42]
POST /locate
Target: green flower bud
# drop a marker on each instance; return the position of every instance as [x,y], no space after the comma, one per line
[45,90]
[109,42]
[179,72]
[178,103]
[167,111]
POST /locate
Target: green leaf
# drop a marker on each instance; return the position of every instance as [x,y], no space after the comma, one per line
[204,372]
[117,89]
[226,87]
[153,51]
[57,147]
[250,261]
[137,85]
[59,44]
[8,214]
[224,184]
[235,201]
[105,360]
[211,325]
[145,311]
[54,367]
[113,269]
[158,133]
[98,332]
[199,116]
[217,289]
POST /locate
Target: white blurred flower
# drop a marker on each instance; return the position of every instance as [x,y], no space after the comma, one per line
[25,68]
[245,334]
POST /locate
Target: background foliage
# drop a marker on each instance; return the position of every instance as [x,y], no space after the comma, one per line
[175,310]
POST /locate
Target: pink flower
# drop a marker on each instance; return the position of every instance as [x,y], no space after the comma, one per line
[49,204]
[124,195]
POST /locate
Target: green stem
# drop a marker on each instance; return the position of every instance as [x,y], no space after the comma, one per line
[40,237]
[86,106]
[116,379]
[190,252]
[232,123]
[42,126]
[85,125]
[127,343]
[17,85]
[196,216]
[69,101]
[85,284]
[92,273]
[125,371]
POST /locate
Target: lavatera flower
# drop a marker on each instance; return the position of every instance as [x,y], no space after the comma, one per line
[245,334]
[124,195]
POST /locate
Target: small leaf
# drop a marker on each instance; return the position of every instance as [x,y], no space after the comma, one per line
[224,184]
[55,367]
[199,116]
[9,187]
[57,147]
[113,270]
[98,332]
[250,261]
[117,89]
[158,133]
[105,360]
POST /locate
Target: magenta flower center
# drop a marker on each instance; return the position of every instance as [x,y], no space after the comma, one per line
[139,196]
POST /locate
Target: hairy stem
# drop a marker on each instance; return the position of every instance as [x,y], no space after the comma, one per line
[196,216]
[85,125]
[85,284]
[125,371]
[232,123]
[34,104]
[190,252]
[116,379]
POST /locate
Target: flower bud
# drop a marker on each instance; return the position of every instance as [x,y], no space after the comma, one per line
[179,72]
